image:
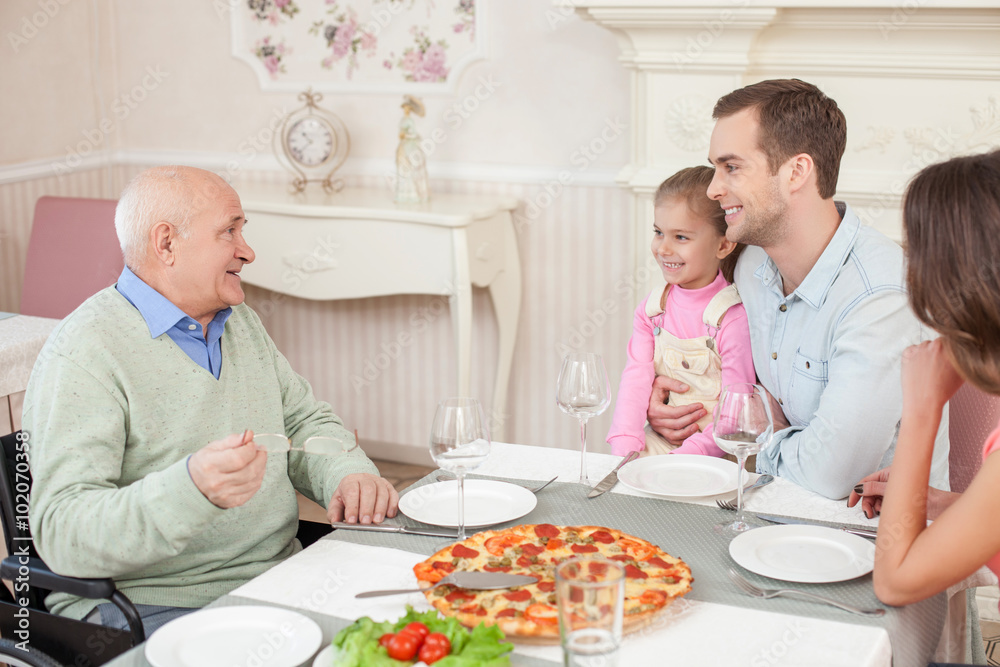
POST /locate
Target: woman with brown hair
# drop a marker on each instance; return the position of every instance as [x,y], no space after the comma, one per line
[951,218]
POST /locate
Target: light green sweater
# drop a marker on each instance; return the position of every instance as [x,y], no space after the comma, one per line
[112,416]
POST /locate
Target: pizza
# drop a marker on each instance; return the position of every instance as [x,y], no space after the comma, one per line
[653,578]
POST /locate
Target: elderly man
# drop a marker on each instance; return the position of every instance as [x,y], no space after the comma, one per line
[829,317]
[142,409]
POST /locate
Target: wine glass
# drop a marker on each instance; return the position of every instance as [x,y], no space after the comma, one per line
[582,390]
[743,426]
[460,442]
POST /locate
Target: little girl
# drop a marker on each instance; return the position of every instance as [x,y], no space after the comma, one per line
[692,327]
[951,218]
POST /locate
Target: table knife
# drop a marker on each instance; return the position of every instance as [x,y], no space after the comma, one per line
[863,532]
[389,528]
[612,477]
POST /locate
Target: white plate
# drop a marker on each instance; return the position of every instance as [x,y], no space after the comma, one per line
[487,502]
[328,658]
[679,475]
[224,636]
[807,554]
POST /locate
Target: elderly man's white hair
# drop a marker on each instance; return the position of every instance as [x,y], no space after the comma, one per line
[160,193]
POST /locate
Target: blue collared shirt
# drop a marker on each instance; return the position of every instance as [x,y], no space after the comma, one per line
[831,352]
[163,317]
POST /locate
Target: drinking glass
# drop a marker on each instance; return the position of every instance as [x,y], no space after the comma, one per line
[582,391]
[743,426]
[460,442]
[590,600]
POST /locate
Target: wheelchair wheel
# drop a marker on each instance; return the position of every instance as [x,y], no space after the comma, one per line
[16,657]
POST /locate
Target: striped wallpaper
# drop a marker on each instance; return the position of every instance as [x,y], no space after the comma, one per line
[575,251]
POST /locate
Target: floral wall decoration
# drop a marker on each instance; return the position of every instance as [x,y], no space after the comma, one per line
[407,46]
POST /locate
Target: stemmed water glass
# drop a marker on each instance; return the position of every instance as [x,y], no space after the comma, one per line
[743,426]
[460,442]
[582,391]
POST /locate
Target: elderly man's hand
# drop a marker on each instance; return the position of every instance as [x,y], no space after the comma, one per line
[228,471]
[674,423]
[363,498]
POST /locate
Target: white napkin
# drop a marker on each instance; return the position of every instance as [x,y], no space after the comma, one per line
[692,631]
[325,577]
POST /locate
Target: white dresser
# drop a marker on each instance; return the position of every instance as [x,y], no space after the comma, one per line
[358,243]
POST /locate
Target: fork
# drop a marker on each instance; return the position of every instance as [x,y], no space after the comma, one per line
[768,593]
[448,477]
[730,504]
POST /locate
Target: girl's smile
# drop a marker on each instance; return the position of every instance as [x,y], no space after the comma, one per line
[687,247]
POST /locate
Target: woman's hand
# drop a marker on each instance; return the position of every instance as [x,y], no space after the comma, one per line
[871,489]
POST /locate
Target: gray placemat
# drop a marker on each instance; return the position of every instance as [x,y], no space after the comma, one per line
[682,530]
[685,530]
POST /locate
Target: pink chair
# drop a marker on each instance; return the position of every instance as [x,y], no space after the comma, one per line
[973,415]
[73,253]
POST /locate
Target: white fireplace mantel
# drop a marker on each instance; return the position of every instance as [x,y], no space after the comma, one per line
[919,82]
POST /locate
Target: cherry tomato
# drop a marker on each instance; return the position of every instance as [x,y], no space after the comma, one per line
[403,646]
[435,647]
[418,629]
[384,639]
[438,639]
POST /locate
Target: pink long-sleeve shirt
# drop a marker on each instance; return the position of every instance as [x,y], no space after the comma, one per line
[682,317]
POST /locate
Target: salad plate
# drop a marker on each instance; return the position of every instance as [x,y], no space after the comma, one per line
[231,635]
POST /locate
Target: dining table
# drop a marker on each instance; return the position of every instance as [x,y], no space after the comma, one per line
[714,624]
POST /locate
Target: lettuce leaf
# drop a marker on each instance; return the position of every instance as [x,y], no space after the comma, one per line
[482,647]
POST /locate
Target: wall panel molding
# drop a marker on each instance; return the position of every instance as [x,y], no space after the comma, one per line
[235,164]
[918,82]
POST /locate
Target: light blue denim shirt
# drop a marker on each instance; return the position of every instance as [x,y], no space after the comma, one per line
[163,317]
[830,352]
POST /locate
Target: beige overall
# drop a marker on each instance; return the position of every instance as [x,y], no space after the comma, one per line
[693,361]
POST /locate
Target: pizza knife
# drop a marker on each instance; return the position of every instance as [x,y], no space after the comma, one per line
[863,532]
[612,477]
[476,581]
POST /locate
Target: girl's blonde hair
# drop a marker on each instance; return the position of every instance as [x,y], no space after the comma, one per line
[691,186]
[951,218]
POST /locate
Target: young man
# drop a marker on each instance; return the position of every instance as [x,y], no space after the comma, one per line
[142,409]
[824,295]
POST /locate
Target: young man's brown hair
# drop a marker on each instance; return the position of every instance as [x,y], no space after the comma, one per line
[793,117]
[951,218]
